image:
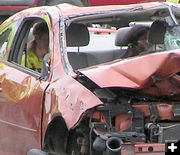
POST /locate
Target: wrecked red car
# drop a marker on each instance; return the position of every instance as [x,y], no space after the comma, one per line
[87,99]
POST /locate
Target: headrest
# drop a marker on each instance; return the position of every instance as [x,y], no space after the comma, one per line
[157,32]
[77,35]
[120,39]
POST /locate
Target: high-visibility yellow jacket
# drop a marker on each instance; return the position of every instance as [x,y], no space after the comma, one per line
[32,62]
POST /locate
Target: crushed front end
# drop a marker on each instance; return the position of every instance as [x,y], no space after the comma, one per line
[135,120]
[135,124]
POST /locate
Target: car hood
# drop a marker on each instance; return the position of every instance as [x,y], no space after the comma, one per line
[137,72]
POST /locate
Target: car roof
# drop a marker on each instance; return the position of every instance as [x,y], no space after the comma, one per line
[123,14]
[70,10]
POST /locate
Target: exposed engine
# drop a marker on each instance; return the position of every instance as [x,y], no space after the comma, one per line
[130,117]
[134,120]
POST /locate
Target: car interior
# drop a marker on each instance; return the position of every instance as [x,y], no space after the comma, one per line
[80,58]
[83,44]
[26,37]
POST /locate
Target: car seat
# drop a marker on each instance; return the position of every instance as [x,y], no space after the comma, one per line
[157,33]
[77,35]
[121,40]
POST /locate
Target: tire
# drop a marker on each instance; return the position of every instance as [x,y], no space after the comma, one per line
[73,2]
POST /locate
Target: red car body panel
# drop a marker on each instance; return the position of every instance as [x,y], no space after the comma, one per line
[18,92]
[70,106]
[69,11]
[126,76]
[11,9]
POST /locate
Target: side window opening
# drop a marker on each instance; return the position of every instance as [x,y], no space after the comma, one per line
[26,49]
[19,43]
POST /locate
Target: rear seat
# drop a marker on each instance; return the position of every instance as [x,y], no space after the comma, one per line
[110,55]
[77,60]
[121,40]
[78,36]
[80,60]
[103,56]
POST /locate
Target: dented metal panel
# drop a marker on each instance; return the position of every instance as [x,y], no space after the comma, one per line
[23,91]
[151,70]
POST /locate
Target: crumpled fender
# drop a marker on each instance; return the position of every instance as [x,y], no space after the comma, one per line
[153,74]
[138,72]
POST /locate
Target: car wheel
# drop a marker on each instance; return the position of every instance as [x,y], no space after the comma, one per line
[73,2]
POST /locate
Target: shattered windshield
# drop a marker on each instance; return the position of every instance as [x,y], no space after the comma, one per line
[172,38]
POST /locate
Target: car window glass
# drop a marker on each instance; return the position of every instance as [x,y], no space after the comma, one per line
[172,39]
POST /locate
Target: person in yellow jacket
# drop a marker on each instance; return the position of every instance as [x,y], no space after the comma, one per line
[37,48]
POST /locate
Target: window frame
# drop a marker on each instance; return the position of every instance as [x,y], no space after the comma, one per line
[18,43]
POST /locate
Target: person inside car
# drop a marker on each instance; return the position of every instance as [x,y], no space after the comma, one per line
[37,48]
[137,39]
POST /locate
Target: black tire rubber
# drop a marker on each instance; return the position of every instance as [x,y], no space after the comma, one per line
[55,2]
